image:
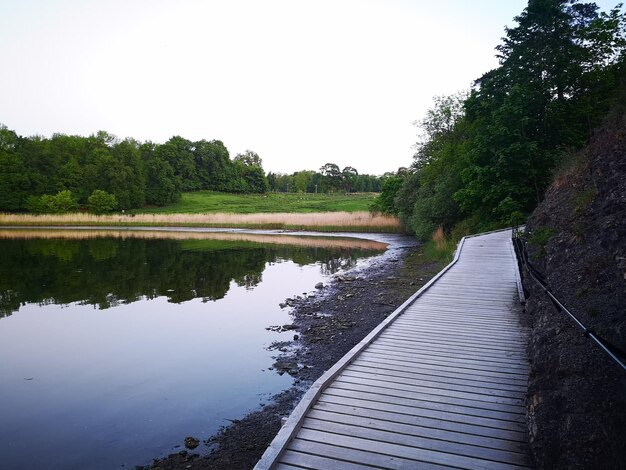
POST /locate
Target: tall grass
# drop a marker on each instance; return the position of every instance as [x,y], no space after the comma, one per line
[261,239]
[319,221]
[441,247]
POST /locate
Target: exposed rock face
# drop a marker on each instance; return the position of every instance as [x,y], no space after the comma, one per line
[577,239]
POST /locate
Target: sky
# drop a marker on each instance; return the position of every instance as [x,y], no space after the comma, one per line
[300,82]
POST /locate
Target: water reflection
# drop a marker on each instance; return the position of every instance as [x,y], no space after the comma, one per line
[122,267]
[114,348]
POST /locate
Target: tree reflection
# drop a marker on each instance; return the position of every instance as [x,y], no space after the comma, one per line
[105,272]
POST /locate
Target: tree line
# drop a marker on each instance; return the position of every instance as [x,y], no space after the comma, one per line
[103,173]
[487,156]
[60,173]
[329,178]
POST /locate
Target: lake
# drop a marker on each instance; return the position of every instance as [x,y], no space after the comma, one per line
[116,345]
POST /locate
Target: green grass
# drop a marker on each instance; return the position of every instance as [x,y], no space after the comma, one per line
[211,202]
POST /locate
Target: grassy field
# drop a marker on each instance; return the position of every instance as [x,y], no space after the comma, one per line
[200,202]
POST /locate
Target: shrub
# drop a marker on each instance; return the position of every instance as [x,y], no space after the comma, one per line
[61,202]
[101,202]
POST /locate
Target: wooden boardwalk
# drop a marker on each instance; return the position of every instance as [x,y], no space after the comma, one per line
[440,384]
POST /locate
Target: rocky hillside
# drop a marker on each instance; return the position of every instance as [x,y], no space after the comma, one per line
[577,239]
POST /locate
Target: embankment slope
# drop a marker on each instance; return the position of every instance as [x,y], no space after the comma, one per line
[577,239]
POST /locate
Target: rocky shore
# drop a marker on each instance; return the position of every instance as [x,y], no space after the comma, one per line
[325,327]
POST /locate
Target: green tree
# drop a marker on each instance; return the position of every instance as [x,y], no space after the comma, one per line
[14,181]
[101,202]
[248,166]
[332,176]
[178,152]
[162,186]
[249,158]
[557,75]
[214,167]
[385,202]
[349,175]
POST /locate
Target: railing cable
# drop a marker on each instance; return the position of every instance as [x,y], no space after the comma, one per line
[611,350]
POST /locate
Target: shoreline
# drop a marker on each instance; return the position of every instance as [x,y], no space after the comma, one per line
[325,328]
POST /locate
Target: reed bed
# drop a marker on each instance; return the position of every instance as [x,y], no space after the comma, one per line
[315,221]
[261,239]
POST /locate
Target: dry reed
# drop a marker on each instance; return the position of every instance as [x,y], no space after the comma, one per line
[264,239]
[352,221]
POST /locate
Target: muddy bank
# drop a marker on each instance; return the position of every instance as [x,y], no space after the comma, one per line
[325,327]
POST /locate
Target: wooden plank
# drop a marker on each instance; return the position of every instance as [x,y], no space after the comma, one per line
[437,312]
[452,341]
[442,319]
[443,373]
[284,466]
[430,387]
[440,395]
[476,296]
[497,438]
[403,451]
[511,334]
[436,402]
[450,353]
[301,460]
[423,409]
[434,382]
[467,361]
[435,346]
[447,334]
[473,334]
[441,365]
[359,456]
[437,376]
[404,434]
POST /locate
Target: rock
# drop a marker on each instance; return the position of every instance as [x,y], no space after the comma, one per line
[282,366]
[319,285]
[289,327]
[191,442]
[296,337]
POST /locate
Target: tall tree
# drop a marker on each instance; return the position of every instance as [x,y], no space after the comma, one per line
[349,175]
[332,176]
[537,103]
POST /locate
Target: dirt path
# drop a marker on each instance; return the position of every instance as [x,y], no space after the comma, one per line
[325,328]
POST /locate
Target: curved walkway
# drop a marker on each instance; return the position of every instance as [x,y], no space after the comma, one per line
[439,384]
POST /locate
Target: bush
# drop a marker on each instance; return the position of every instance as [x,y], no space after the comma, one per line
[61,202]
[101,202]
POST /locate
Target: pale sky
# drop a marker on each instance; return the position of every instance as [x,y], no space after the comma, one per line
[302,83]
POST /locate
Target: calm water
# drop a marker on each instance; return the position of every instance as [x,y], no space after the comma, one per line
[113,350]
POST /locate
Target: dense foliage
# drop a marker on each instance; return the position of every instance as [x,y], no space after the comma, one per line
[60,173]
[102,173]
[487,156]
